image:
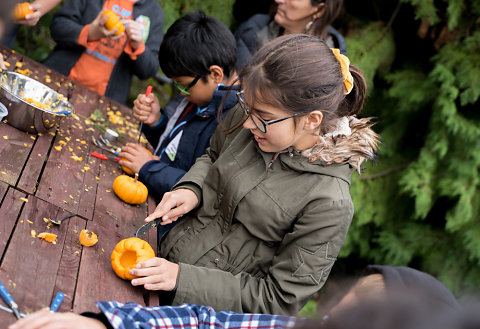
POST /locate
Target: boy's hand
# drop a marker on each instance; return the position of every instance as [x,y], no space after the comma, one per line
[147,109]
[174,205]
[2,64]
[135,157]
[134,31]
[46,319]
[156,274]
[97,29]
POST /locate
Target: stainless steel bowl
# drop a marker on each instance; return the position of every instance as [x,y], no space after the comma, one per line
[32,106]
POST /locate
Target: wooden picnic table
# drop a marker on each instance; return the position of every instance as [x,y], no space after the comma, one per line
[53,174]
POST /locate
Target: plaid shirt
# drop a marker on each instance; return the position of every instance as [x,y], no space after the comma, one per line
[131,315]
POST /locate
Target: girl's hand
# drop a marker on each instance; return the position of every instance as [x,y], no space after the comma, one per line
[97,29]
[156,274]
[147,109]
[135,156]
[46,319]
[174,205]
[134,33]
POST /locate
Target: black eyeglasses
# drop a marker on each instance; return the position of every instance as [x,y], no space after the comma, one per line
[257,120]
[190,85]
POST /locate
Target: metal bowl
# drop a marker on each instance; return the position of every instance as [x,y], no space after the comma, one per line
[32,106]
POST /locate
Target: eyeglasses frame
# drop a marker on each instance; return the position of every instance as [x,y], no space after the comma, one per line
[190,85]
[249,113]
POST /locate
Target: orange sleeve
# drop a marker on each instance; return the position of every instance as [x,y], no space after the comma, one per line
[83,37]
[134,53]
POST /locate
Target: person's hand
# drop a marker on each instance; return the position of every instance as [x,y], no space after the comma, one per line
[2,64]
[135,156]
[32,19]
[174,205]
[147,109]
[46,319]
[97,29]
[134,32]
[156,274]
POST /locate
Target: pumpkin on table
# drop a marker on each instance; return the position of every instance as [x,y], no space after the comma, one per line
[87,238]
[130,190]
[128,253]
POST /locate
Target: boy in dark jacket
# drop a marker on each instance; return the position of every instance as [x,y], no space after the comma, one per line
[99,59]
[199,54]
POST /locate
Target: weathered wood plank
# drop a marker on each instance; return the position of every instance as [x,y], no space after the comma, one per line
[31,173]
[96,279]
[15,147]
[9,212]
[32,281]
[3,190]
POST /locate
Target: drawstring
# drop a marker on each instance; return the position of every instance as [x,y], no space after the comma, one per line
[275,156]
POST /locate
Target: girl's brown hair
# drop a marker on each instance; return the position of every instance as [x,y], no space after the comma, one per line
[332,9]
[299,74]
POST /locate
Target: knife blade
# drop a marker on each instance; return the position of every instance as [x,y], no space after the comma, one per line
[9,300]
[145,227]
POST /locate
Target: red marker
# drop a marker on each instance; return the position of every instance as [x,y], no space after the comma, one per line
[104,157]
[147,93]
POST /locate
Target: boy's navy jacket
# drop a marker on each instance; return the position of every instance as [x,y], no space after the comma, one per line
[196,128]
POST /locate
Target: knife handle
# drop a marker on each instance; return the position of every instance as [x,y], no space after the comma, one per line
[57,301]
[6,295]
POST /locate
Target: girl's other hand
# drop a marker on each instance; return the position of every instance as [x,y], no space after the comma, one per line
[174,205]
[46,319]
[2,64]
[147,109]
[32,19]
[156,274]
[134,157]
[134,33]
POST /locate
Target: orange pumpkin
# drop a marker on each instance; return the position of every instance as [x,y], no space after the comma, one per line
[129,171]
[129,189]
[128,253]
[87,238]
[113,22]
[21,10]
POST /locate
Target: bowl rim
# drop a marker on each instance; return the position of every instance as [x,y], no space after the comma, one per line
[70,106]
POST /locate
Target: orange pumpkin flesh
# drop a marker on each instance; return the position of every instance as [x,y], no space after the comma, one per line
[129,171]
[130,190]
[21,10]
[49,237]
[128,253]
[113,22]
[87,238]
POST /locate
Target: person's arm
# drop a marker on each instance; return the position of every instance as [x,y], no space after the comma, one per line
[40,8]
[159,177]
[2,64]
[68,23]
[298,270]
[145,59]
[47,319]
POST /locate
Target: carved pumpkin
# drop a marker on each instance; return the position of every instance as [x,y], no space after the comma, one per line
[129,189]
[113,22]
[87,238]
[21,10]
[127,170]
[127,254]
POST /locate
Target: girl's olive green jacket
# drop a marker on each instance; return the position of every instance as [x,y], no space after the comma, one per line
[267,230]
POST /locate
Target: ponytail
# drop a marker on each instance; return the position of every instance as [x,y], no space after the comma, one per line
[353,102]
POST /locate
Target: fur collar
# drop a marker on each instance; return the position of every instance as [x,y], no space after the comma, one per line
[352,141]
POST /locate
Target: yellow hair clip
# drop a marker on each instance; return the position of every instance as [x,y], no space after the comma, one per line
[344,64]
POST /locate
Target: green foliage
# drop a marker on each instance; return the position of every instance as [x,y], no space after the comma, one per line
[420,204]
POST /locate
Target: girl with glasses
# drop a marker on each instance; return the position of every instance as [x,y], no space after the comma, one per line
[267,208]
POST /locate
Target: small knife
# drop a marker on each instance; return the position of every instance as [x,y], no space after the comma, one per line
[9,310]
[140,126]
[57,301]
[9,300]
[145,227]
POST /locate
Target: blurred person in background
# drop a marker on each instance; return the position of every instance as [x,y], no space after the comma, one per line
[6,8]
[313,17]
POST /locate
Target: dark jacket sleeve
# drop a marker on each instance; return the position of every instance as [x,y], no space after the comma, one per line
[146,64]
[246,38]
[69,20]
[338,40]
[159,177]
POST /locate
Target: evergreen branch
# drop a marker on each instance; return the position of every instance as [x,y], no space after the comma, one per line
[385,30]
[385,172]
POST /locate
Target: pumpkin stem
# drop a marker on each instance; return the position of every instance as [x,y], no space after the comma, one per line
[136,177]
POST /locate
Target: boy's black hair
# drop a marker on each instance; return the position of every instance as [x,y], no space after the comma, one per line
[193,43]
